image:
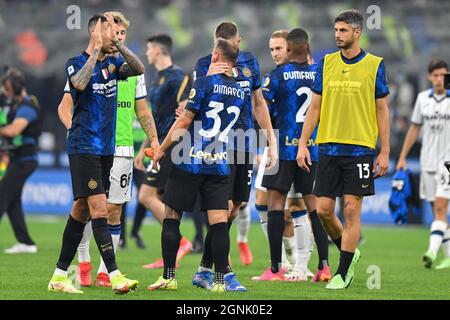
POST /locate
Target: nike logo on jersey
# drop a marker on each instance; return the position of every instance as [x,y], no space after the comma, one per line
[364,186]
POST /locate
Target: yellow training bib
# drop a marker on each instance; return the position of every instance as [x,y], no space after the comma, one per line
[348,110]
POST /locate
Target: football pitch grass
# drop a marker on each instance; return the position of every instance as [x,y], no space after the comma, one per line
[394,253]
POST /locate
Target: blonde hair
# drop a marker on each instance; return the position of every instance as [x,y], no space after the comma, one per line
[279,34]
[119,16]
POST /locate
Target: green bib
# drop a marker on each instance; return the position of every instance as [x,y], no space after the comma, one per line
[126,95]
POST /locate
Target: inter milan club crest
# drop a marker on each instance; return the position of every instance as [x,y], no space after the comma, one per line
[161,80]
[111,68]
[92,184]
[105,73]
[246,71]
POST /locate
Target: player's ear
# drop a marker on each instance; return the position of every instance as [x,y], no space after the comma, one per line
[215,56]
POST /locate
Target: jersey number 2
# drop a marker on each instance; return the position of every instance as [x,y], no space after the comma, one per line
[301,114]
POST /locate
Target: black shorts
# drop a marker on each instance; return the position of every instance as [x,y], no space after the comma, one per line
[290,173]
[183,188]
[90,174]
[241,172]
[159,180]
[339,175]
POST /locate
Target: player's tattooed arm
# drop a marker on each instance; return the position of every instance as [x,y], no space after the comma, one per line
[133,65]
[148,125]
[81,79]
[146,120]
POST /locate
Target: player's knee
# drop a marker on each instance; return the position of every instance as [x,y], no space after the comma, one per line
[80,211]
[98,209]
[145,197]
[351,212]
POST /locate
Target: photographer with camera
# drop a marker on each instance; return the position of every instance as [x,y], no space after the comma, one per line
[20,136]
[432,115]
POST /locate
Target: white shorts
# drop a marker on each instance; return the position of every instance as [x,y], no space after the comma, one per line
[120,177]
[435,184]
[260,173]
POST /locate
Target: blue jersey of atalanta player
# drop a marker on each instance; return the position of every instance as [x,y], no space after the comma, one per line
[217,101]
[166,90]
[288,90]
[247,74]
[93,128]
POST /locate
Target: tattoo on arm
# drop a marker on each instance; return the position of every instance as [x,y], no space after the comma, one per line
[148,125]
[133,65]
[81,79]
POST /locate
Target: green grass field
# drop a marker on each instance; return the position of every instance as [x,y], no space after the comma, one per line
[396,251]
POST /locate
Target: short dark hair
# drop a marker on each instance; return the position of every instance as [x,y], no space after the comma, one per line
[352,17]
[437,64]
[297,40]
[93,20]
[164,41]
[16,78]
[226,30]
[228,49]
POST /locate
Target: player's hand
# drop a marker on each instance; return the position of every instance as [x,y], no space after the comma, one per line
[179,111]
[139,161]
[401,164]
[304,158]
[217,68]
[97,35]
[155,144]
[159,154]
[381,164]
[112,27]
[272,156]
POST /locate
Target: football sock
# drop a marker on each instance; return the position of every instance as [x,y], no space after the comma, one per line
[275,230]
[321,239]
[437,231]
[71,239]
[83,248]
[115,231]
[243,223]
[344,262]
[262,211]
[170,242]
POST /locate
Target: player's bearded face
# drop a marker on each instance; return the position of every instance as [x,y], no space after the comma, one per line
[345,35]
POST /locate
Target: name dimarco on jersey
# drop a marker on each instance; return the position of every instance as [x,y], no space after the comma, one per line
[106,89]
[229,91]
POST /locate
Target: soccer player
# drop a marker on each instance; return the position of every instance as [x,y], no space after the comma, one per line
[278,51]
[349,84]
[287,89]
[93,79]
[131,94]
[432,114]
[247,74]
[168,90]
[204,168]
